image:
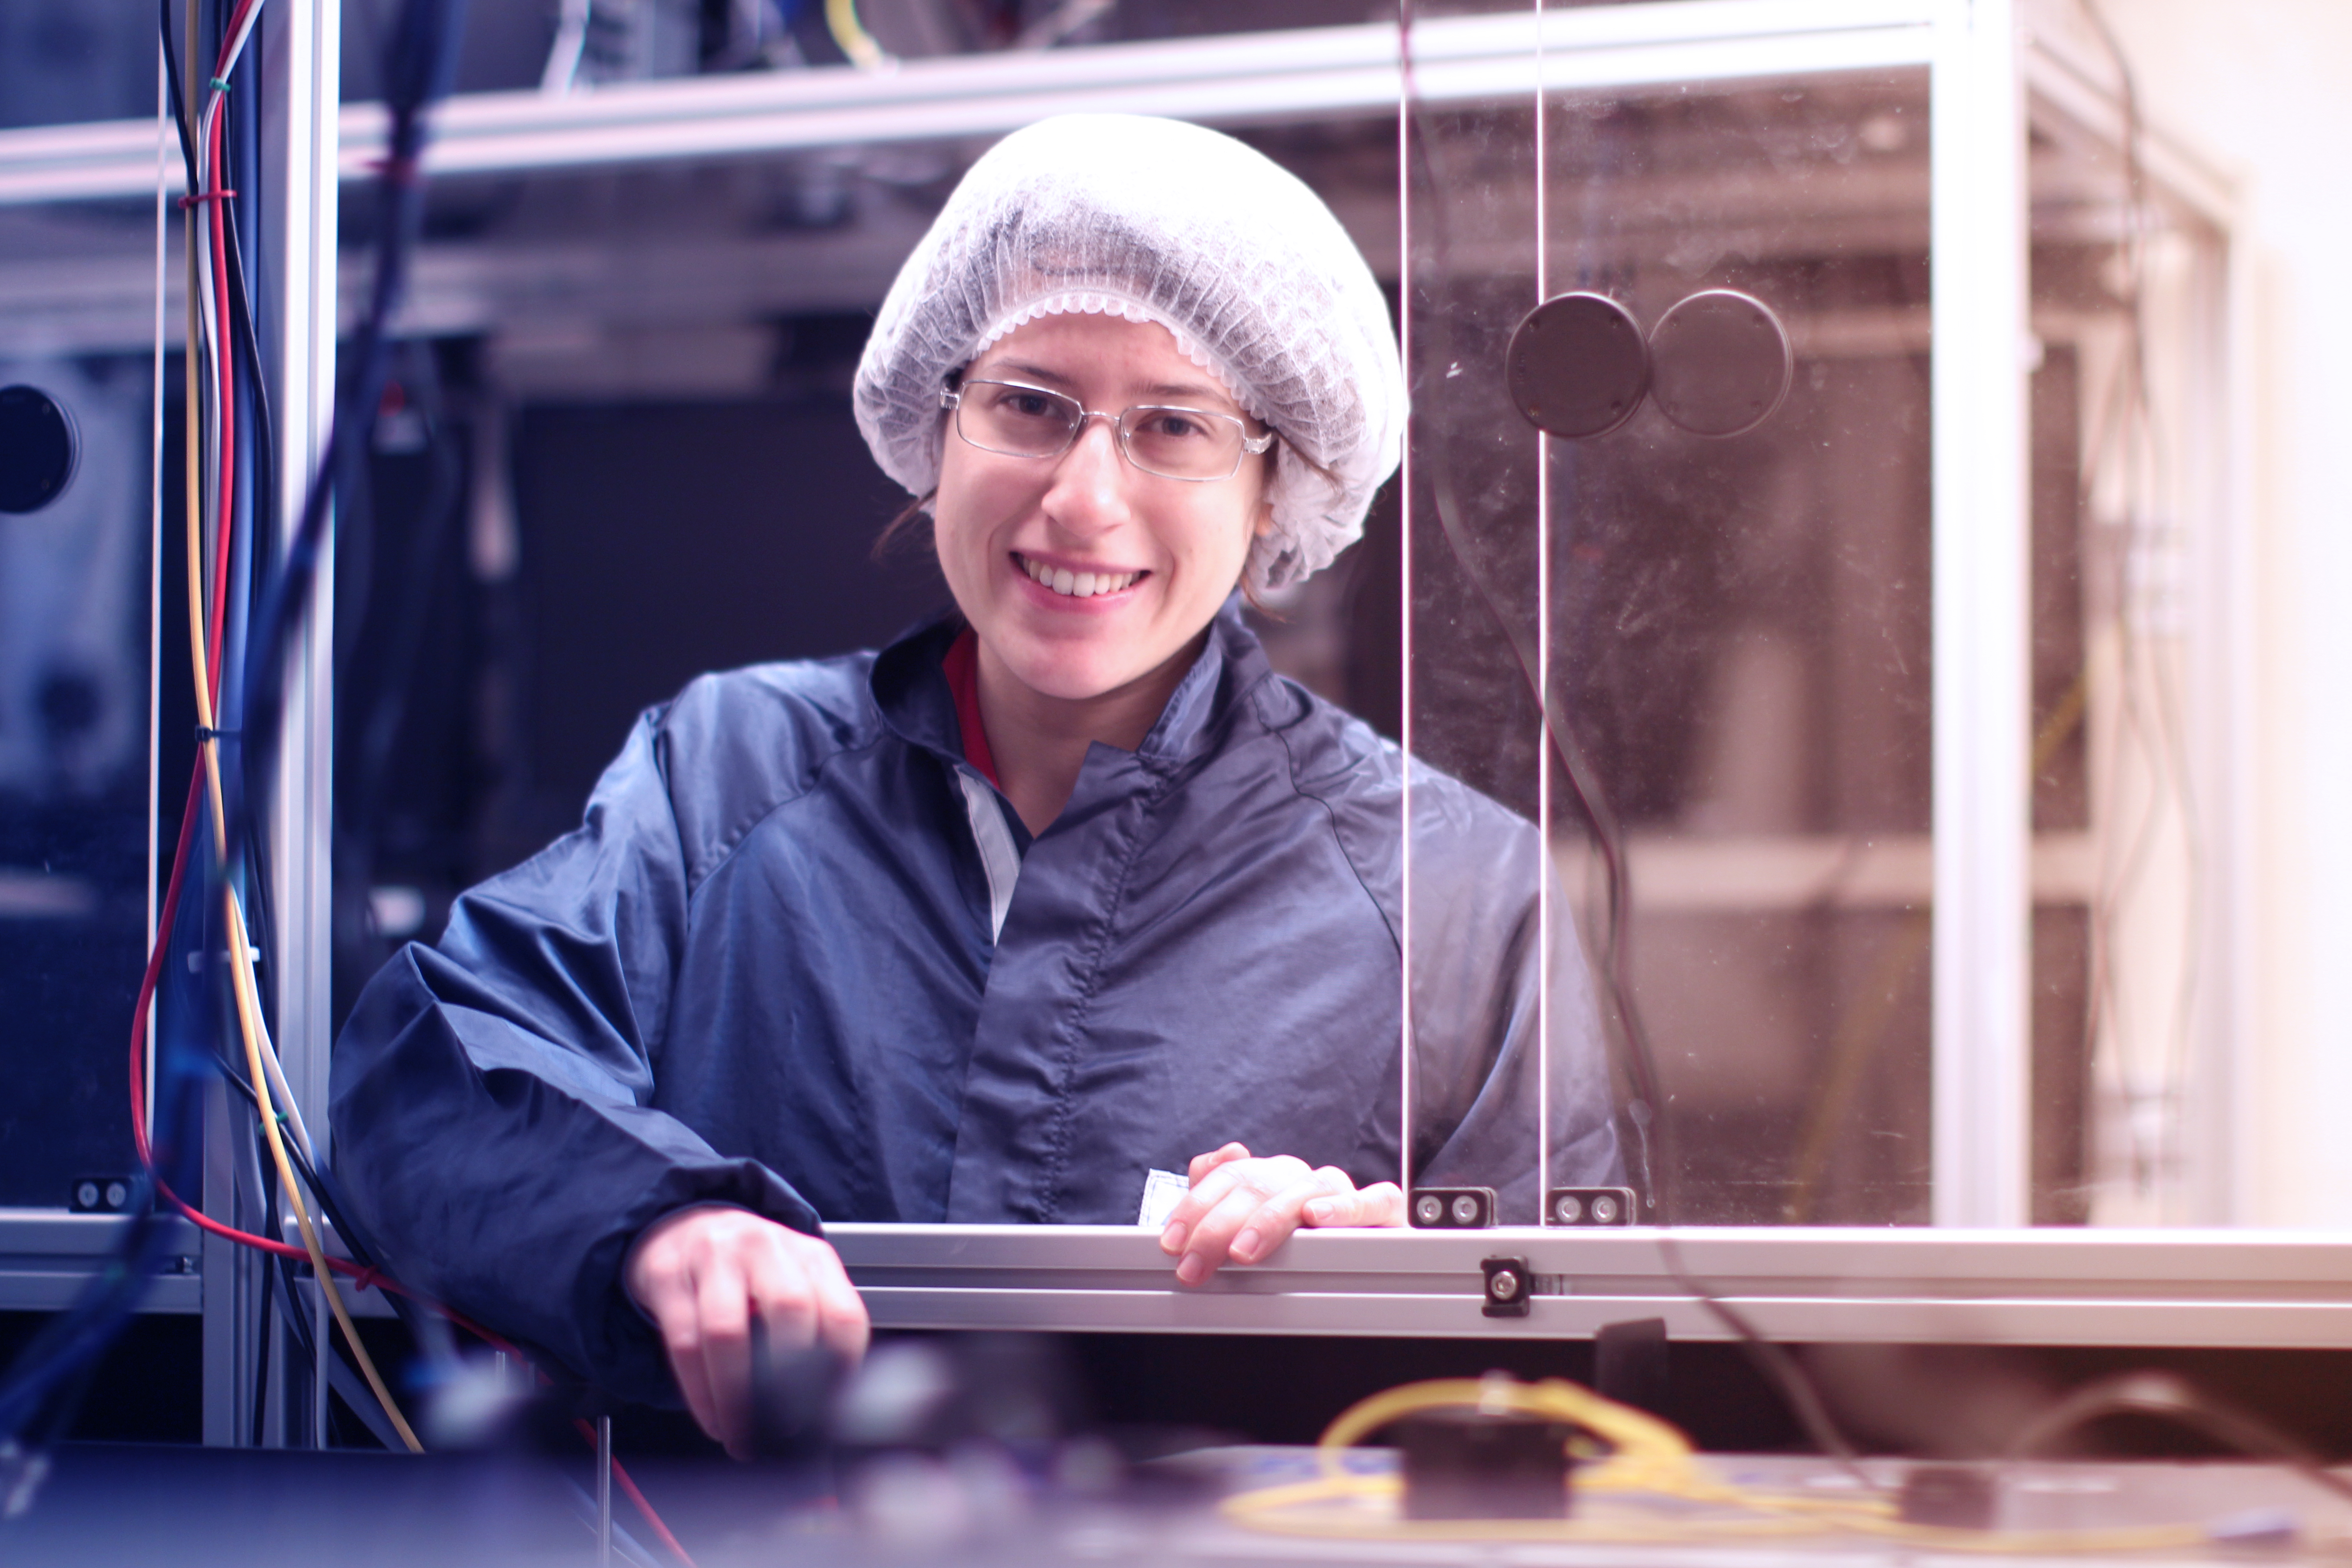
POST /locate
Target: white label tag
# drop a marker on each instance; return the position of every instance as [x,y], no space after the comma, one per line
[1162,1191]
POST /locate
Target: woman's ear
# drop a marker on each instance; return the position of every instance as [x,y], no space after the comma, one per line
[1265,524]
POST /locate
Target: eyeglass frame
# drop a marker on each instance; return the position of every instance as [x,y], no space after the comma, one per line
[951,400]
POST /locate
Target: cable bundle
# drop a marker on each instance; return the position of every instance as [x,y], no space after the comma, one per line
[227,477]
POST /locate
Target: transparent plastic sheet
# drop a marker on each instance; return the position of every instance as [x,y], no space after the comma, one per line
[1730,633]
[2130,744]
[77,325]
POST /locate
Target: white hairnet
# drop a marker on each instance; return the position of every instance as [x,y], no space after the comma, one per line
[1156,220]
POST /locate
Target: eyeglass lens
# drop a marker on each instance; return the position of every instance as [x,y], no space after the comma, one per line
[1030,422]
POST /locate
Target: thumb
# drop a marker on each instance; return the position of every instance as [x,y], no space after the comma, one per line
[1341,1205]
[1381,1203]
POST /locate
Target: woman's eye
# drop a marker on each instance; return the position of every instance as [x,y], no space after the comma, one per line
[1171,426]
[1028,405]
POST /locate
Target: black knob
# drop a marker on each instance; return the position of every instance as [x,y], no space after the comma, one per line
[1576,366]
[38,448]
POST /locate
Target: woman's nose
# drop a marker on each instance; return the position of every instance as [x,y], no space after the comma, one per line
[1088,493]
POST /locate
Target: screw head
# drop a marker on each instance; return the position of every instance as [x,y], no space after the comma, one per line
[1428,1208]
[1569,1209]
[1604,1210]
[1505,1285]
[86,1195]
[117,1194]
[1465,1210]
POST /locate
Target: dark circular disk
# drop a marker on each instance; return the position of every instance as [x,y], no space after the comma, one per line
[37,449]
[1719,362]
[1576,366]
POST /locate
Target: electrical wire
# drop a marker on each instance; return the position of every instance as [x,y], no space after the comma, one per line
[211,327]
[220,340]
[850,34]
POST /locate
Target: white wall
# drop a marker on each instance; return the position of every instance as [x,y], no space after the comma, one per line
[2266,87]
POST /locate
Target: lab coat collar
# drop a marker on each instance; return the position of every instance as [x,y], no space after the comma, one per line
[911,692]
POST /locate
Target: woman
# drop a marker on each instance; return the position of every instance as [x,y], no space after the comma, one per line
[1057,890]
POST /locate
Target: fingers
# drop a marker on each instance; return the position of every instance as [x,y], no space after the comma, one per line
[1381,1203]
[723,1333]
[1203,1163]
[1247,1208]
[1203,1197]
[835,1312]
[663,1276]
[701,1277]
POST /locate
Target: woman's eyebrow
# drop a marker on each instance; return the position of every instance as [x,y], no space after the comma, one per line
[1054,378]
[1186,389]
[1033,372]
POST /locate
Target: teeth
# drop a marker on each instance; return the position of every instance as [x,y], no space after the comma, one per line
[1076,585]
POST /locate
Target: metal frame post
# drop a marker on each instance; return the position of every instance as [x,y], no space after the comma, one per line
[294,311]
[1982,1038]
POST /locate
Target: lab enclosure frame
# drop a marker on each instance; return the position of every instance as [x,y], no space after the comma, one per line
[1990,71]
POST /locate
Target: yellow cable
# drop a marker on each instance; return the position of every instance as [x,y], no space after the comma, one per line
[1647,1450]
[841,21]
[242,980]
[240,957]
[1650,1459]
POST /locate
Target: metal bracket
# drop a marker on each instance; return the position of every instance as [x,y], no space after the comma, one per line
[1509,1285]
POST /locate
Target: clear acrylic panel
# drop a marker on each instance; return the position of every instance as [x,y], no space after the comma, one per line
[2133,1074]
[1728,626]
[77,434]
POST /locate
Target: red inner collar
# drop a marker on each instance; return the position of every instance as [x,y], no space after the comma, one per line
[961,667]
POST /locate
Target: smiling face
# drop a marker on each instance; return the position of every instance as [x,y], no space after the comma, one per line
[1020,537]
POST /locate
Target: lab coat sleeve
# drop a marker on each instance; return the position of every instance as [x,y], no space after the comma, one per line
[1497,1069]
[492,1098]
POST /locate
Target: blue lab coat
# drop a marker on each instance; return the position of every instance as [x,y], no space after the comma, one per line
[764,971]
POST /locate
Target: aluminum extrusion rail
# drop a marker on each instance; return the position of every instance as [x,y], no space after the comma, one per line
[1985,1287]
[47,1256]
[1227,80]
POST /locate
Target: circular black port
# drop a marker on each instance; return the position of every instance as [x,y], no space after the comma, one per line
[37,449]
[1577,366]
[1719,362]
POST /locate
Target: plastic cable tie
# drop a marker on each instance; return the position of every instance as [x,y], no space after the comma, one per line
[220,195]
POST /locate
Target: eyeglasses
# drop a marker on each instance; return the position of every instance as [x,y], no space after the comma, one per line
[1197,445]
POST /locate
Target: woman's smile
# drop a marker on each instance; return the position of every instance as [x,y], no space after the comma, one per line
[1082,584]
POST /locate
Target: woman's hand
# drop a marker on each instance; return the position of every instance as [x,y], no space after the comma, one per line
[699,1274]
[1242,1208]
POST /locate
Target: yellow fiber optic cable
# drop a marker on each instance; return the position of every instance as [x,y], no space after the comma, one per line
[241,980]
[841,21]
[1647,1451]
[1652,1462]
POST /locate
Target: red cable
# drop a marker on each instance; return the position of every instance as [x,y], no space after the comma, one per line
[191,820]
[215,199]
[224,360]
[228,35]
[636,1497]
[188,819]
